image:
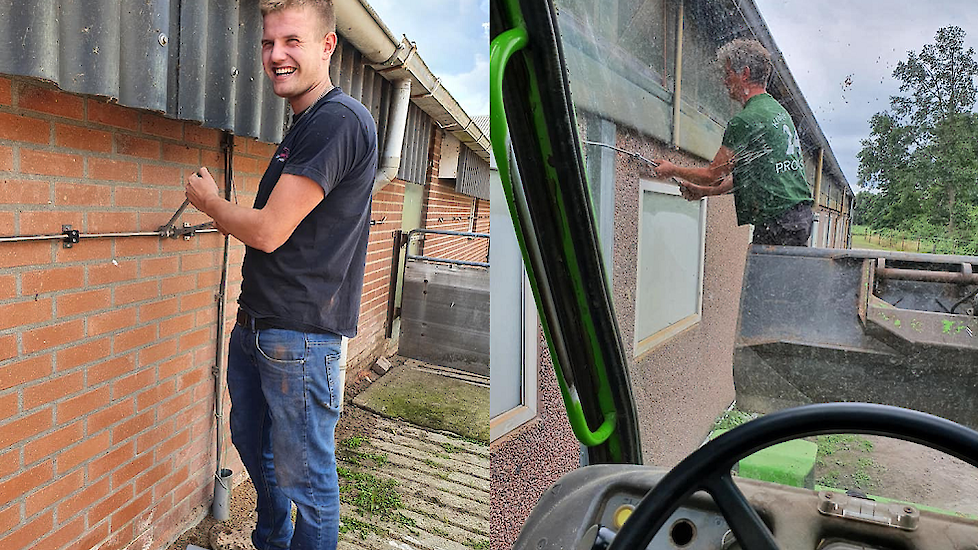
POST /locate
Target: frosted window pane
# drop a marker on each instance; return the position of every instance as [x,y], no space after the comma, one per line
[668,263]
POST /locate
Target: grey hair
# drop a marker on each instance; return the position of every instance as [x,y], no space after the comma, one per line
[746,53]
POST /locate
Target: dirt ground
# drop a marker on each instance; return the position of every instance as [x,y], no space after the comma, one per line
[353,421]
[906,471]
[888,468]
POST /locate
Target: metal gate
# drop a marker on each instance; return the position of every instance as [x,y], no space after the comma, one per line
[444,312]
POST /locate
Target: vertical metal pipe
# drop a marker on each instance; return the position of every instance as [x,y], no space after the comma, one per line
[222,477]
[818,177]
[395,266]
[677,92]
[390,161]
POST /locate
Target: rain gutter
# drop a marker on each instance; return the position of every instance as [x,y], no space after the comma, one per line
[398,60]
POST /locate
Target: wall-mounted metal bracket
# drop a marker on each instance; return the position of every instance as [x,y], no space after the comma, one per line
[71,236]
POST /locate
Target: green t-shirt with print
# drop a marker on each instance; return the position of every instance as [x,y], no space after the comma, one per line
[769,171]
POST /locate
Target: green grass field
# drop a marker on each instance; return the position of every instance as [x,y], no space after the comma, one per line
[862,239]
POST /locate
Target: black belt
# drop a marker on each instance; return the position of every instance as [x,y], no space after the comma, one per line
[250,322]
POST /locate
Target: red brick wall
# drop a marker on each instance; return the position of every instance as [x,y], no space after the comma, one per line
[451,211]
[371,341]
[107,432]
[106,349]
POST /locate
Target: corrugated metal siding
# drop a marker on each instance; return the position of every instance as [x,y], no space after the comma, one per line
[348,71]
[473,175]
[417,141]
[136,54]
[219,76]
[97,47]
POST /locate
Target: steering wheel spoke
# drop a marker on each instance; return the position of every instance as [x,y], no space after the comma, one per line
[741,517]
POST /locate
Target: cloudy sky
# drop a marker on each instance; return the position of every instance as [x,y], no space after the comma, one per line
[452,38]
[827,43]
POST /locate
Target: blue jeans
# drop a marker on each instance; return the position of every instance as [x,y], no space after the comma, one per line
[284,388]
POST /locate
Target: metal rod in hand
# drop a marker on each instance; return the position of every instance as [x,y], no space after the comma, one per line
[177,213]
[629,153]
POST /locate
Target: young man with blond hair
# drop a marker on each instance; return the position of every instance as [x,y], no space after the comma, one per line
[306,239]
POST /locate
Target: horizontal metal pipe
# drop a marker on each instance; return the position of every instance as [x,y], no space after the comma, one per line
[115,235]
[443,260]
[447,232]
[61,237]
[25,238]
[841,253]
[926,276]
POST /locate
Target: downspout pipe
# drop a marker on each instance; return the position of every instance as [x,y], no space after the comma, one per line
[220,505]
[390,162]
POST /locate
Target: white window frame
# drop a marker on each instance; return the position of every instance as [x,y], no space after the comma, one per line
[508,421]
[647,343]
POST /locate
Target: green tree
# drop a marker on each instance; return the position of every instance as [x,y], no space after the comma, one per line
[920,155]
[866,208]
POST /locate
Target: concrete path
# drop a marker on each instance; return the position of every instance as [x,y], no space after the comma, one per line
[403,486]
[431,396]
[443,487]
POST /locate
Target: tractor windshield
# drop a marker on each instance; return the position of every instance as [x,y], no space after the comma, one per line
[731,207]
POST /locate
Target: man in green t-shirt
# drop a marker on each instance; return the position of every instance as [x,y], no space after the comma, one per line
[760,158]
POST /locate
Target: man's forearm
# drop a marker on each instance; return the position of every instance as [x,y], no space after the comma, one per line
[704,176]
[246,224]
[722,187]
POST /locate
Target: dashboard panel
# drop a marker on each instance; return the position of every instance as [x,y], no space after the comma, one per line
[586,507]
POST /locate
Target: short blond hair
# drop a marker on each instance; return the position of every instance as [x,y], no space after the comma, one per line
[323,7]
[747,53]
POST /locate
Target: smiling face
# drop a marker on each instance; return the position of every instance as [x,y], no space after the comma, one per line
[295,54]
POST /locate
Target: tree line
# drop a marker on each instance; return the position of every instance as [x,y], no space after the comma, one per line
[918,169]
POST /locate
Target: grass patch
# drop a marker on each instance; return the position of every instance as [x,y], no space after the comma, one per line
[440,532]
[449,448]
[372,496]
[380,459]
[844,461]
[363,528]
[354,442]
[829,479]
[732,419]
[481,544]
[349,452]
[830,444]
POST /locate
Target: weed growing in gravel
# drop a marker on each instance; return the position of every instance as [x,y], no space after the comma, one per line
[353,525]
[449,448]
[371,496]
[353,442]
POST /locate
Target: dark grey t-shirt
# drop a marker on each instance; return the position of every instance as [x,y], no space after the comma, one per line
[313,282]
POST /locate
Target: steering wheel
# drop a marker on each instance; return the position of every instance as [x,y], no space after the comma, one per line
[708,468]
